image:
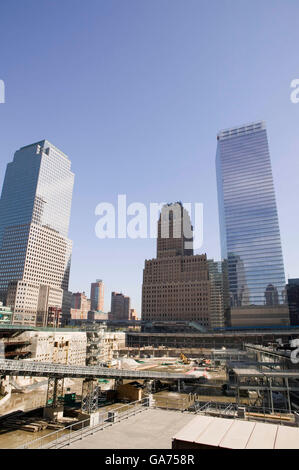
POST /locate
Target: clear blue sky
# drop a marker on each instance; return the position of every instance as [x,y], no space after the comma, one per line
[134,91]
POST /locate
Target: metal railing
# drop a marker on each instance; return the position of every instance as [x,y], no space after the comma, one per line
[81,429]
[248,413]
[219,409]
[68,434]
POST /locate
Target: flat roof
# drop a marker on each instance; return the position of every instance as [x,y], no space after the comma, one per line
[220,334]
[254,372]
[214,432]
[241,130]
[238,434]
[265,433]
[194,429]
[151,429]
[287,440]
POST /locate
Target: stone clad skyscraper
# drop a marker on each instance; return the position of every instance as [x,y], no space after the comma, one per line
[249,227]
[35,252]
[175,232]
[177,286]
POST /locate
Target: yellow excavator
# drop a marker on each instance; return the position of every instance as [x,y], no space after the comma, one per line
[184,359]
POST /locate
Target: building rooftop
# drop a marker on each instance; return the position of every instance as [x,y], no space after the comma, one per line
[152,429]
[237,434]
[254,372]
[44,143]
[241,130]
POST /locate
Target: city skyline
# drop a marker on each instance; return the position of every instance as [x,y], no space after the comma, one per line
[150,134]
[38,210]
[149,261]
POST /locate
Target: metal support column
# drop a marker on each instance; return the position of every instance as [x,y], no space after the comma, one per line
[238,392]
[271,396]
[150,386]
[90,396]
[55,390]
[288,394]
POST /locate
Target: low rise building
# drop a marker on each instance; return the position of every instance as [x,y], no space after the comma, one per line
[114,341]
[57,347]
[95,316]
[209,432]
[5,314]
[80,306]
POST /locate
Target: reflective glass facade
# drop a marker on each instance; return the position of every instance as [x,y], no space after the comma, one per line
[37,189]
[249,228]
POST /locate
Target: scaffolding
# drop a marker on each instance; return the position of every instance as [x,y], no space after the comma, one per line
[273,387]
[54,392]
[96,353]
[90,396]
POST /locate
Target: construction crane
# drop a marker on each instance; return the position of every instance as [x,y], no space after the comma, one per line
[184,359]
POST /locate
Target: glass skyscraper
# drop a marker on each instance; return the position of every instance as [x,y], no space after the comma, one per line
[38,187]
[249,227]
[35,209]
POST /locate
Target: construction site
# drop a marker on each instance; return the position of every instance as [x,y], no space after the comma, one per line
[93,380]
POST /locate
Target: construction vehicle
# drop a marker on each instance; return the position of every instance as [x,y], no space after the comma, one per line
[110,364]
[200,362]
[184,359]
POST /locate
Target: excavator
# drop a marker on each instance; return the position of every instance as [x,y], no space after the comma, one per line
[184,359]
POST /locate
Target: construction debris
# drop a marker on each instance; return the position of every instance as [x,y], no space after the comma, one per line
[33,424]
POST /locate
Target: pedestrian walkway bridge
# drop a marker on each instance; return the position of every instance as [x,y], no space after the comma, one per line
[59,371]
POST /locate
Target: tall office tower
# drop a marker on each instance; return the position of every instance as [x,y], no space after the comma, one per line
[120,307]
[292,289]
[35,252]
[249,228]
[97,295]
[176,284]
